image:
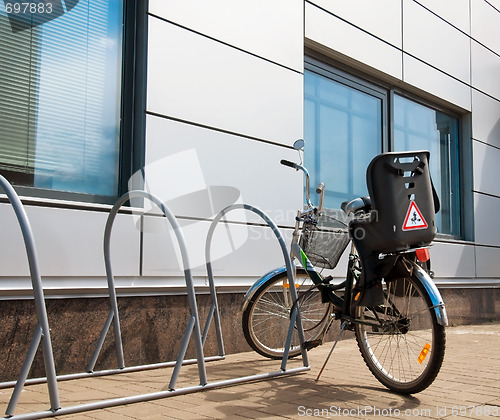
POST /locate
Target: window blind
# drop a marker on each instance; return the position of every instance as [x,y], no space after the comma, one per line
[18,80]
[60,90]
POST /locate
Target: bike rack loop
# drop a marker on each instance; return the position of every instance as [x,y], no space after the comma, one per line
[114,316]
[295,315]
[42,332]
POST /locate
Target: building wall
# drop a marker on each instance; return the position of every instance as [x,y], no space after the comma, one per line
[442,51]
[224,104]
[225,95]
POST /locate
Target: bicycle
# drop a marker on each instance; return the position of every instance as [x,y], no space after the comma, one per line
[388,297]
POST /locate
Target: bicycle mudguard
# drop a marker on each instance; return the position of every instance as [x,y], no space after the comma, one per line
[432,290]
[251,292]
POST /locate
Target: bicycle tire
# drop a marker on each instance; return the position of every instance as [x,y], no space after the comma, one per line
[266,319]
[406,351]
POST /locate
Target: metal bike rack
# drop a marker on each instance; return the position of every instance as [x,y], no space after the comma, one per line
[295,317]
[113,316]
[42,333]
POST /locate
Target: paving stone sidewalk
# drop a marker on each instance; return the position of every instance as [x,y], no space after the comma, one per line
[468,386]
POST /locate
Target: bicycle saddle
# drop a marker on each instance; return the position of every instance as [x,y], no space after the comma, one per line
[358,204]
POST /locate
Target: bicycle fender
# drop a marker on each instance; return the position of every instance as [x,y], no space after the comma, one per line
[251,292]
[432,290]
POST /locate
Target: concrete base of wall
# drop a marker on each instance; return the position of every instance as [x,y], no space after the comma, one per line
[153,327]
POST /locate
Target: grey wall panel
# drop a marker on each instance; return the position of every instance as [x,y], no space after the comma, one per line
[423,32]
[485,67]
[270,29]
[437,83]
[486,211]
[382,19]
[485,21]
[238,250]
[485,118]
[455,12]
[193,78]
[182,159]
[69,243]
[453,260]
[485,165]
[353,43]
[488,262]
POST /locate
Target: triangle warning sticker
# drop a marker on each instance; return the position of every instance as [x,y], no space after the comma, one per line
[414,219]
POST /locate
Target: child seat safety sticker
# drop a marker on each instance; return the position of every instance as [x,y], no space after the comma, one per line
[414,219]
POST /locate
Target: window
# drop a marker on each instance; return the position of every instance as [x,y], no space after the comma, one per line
[343,132]
[418,127]
[345,122]
[61,98]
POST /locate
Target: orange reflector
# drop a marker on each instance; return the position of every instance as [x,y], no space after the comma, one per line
[287,285]
[357,296]
[423,254]
[424,353]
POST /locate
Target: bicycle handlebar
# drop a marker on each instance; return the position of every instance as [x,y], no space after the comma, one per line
[296,166]
[288,163]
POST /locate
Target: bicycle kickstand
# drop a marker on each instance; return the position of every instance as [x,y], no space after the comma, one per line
[342,328]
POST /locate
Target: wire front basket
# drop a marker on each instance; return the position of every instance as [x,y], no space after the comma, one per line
[325,241]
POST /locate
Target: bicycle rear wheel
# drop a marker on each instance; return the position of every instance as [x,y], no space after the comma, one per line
[404,344]
[267,316]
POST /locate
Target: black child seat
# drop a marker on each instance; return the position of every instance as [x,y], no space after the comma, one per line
[404,205]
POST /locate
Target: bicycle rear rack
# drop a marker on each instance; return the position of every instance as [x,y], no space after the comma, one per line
[42,333]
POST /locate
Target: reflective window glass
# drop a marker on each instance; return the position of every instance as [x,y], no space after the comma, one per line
[60,97]
[343,132]
[418,127]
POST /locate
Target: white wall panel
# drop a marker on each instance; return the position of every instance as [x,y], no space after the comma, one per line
[487,262]
[455,12]
[429,79]
[270,29]
[486,211]
[486,171]
[237,250]
[182,159]
[193,78]
[69,243]
[485,118]
[434,41]
[453,260]
[485,66]
[341,37]
[382,19]
[485,21]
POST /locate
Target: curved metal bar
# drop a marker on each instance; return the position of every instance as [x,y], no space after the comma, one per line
[41,310]
[187,274]
[295,316]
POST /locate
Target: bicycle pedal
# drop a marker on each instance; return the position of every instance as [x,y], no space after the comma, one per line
[309,345]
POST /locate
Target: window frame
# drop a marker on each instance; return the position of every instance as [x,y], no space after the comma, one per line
[132,111]
[386,91]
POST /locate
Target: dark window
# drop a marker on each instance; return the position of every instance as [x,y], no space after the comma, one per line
[345,120]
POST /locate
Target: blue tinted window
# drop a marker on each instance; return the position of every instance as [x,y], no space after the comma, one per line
[417,127]
[60,124]
[343,132]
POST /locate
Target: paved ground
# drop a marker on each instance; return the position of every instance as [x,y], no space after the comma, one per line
[468,386]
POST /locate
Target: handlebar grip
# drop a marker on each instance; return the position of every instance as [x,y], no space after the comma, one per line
[288,163]
[320,188]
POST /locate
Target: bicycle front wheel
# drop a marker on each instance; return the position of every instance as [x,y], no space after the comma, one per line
[267,317]
[401,341]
